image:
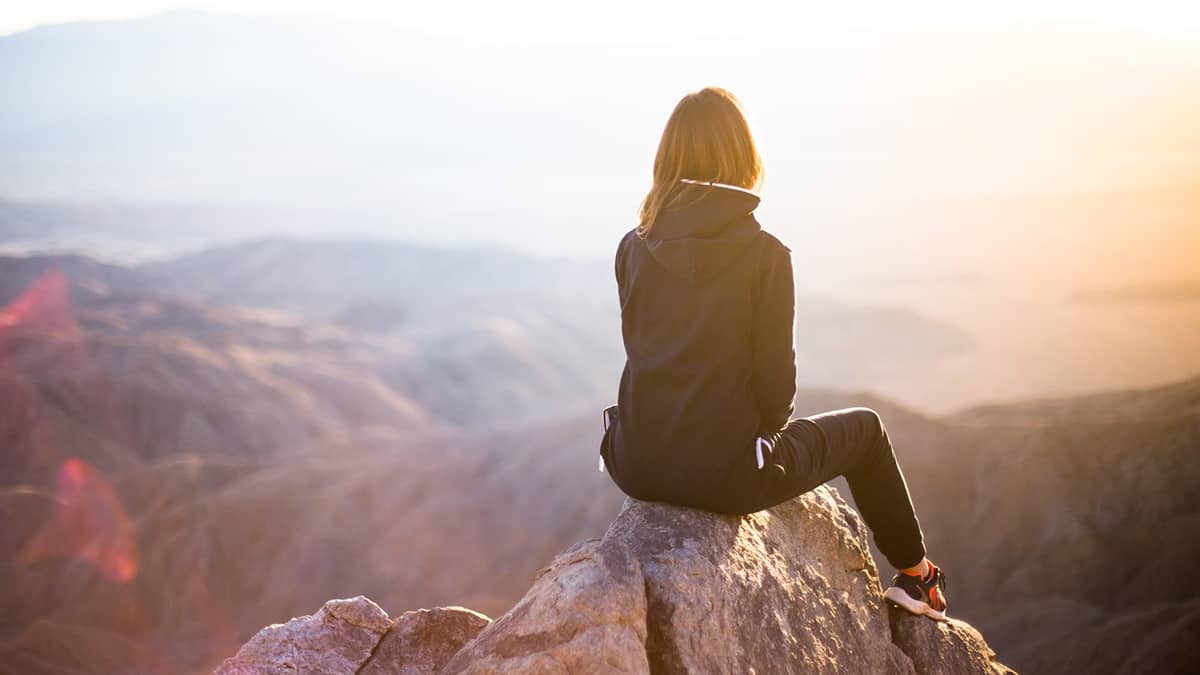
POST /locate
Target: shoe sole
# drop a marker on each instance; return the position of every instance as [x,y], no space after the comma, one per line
[898,597]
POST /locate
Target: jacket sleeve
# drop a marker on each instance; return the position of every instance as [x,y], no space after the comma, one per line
[774,339]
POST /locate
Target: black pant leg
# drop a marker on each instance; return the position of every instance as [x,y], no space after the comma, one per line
[853,443]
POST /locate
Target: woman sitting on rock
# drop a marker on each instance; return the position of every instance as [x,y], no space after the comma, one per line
[703,416]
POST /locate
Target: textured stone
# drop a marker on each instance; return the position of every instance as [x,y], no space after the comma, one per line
[336,640]
[791,589]
[420,642]
[586,613]
[943,648]
[667,590]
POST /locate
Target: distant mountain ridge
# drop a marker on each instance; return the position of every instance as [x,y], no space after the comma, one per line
[448,296]
[284,271]
[548,327]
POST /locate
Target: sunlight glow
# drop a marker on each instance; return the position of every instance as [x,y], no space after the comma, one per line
[620,21]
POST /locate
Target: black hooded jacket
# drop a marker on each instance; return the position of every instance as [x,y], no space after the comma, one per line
[707,316]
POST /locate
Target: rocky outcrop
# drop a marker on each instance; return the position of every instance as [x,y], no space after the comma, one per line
[356,636]
[339,638]
[668,590]
[586,613]
[938,648]
[423,640]
[785,590]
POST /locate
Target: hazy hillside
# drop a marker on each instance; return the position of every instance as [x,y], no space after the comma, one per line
[320,277]
[1087,519]
[172,460]
[1069,527]
[133,377]
[459,302]
[179,474]
[461,337]
[199,358]
[937,345]
[226,546]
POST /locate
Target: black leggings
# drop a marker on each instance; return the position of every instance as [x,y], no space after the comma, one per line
[852,443]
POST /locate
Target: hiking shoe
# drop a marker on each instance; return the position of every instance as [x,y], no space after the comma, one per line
[920,595]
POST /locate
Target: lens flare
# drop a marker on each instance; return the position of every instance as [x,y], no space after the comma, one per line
[90,525]
[45,305]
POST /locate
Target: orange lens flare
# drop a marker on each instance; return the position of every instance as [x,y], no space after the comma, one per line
[46,304]
[90,525]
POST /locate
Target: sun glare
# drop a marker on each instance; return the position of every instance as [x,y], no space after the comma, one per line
[549,21]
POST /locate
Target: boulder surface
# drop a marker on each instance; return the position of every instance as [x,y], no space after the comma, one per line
[792,589]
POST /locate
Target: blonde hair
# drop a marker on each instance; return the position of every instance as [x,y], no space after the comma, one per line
[706,140]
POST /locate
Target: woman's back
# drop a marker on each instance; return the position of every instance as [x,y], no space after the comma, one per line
[706,318]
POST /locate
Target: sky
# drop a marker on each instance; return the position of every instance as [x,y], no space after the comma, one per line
[876,141]
[553,21]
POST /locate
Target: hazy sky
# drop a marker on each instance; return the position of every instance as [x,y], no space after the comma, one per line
[637,20]
[954,139]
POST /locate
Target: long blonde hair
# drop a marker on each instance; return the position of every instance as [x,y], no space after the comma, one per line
[706,140]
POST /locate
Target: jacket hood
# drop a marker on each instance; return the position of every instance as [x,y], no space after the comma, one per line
[710,227]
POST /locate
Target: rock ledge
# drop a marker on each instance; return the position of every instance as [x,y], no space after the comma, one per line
[667,590]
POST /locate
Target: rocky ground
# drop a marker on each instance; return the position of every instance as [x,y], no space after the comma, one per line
[666,590]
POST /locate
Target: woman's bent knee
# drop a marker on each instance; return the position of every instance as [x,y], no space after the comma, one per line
[867,419]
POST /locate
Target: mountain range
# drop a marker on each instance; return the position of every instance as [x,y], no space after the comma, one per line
[190,462]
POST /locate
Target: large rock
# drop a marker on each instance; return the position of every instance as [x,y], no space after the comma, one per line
[943,648]
[337,639]
[420,642]
[791,589]
[586,613]
[355,636]
[673,590]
